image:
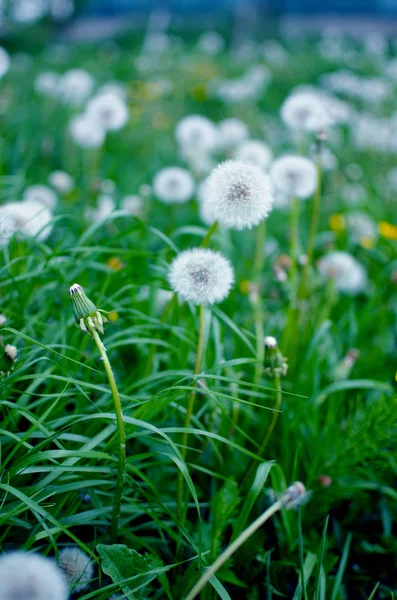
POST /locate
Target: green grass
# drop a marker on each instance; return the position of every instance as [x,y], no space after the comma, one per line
[58,430]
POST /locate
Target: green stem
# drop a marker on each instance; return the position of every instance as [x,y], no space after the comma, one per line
[121,431]
[208,236]
[294,242]
[189,411]
[259,316]
[230,550]
[277,385]
[302,570]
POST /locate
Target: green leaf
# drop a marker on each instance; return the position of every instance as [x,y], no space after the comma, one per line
[223,505]
[354,384]
[342,567]
[308,567]
[256,488]
[128,569]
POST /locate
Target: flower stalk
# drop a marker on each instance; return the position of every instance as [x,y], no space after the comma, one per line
[91,320]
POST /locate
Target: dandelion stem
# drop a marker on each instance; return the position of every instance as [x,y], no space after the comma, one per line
[230,550]
[208,236]
[259,316]
[189,411]
[312,232]
[302,570]
[121,431]
[294,242]
[277,385]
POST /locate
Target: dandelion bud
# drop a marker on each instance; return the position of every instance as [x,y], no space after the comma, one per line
[11,352]
[294,496]
[24,575]
[77,567]
[275,363]
[85,312]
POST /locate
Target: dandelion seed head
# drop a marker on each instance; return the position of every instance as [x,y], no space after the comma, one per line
[255,153]
[7,226]
[109,109]
[11,351]
[304,111]
[4,62]
[75,87]
[30,218]
[173,185]
[61,181]
[41,194]
[201,276]
[77,567]
[196,132]
[294,175]
[349,275]
[27,576]
[270,342]
[232,132]
[134,205]
[46,84]
[239,194]
[86,132]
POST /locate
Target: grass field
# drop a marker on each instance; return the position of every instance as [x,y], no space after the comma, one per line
[216,427]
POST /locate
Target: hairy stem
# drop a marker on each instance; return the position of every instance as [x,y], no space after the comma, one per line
[230,550]
[189,411]
[121,432]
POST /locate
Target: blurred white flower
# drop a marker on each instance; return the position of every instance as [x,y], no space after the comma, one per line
[134,205]
[201,276]
[354,193]
[117,88]
[7,226]
[392,178]
[61,181]
[240,195]
[4,62]
[104,208]
[294,175]
[110,110]
[30,218]
[77,568]
[196,132]
[360,225]
[86,132]
[348,274]
[47,84]
[231,133]
[211,43]
[61,10]
[28,11]
[205,208]
[108,186]
[304,112]
[75,87]
[25,575]
[41,194]
[255,153]
[173,185]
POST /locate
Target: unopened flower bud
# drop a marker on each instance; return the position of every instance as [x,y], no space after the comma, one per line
[11,352]
[294,496]
[85,312]
[275,363]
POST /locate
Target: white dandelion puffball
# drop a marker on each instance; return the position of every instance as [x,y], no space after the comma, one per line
[77,567]
[41,194]
[86,132]
[46,84]
[31,218]
[61,181]
[211,43]
[27,12]
[134,205]
[196,132]
[110,110]
[75,87]
[360,225]
[240,194]
[304,111]
[31,577]
[201,276]
[4,62]
[232,132]
[294,175]
[255,153]
[348,274]
[7,226]
[173,185]
[105,207]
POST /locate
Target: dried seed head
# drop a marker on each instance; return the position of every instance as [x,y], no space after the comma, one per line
[30,576]
[294,496]
[77,567]
[85,312]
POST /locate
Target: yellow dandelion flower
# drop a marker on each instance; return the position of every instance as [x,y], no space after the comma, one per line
[115,263]
[388,230]
[244,286]
[113,316]
[337,222]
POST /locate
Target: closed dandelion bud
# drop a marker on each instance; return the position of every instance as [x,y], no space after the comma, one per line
[77,567]
[29,576]
[294,496]
[275,363]
[11,352]
[85,312]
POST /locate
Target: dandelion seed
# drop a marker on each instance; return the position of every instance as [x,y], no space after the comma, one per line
[30,577]
[201,276]
[173,185]
[294,175]
[77,567]
[239,194]
[255,153]
[347,273]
